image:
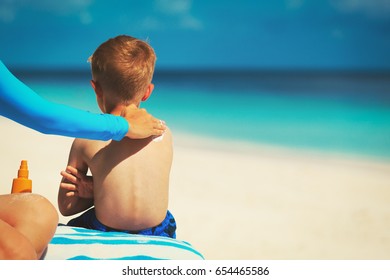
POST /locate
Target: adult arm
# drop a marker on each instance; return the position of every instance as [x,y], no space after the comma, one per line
[21,104]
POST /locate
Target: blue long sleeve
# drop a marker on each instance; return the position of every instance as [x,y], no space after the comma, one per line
[21,104]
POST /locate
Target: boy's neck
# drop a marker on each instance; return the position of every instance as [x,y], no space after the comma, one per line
[118,109]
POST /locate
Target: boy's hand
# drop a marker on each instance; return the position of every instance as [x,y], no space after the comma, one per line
[142,124]
[77,183]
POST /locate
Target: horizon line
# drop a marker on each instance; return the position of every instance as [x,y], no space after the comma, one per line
[52,71]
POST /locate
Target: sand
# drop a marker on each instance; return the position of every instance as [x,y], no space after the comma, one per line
[235,200]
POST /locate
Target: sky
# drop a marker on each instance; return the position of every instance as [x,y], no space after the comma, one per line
[216,34]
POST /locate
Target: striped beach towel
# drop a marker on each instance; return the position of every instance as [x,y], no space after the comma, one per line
[73,243]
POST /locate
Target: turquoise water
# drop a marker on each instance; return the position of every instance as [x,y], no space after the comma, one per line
[349,114]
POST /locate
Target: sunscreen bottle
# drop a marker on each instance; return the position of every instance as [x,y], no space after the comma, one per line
[22,183]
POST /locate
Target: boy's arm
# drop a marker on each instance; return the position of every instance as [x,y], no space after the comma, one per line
[69,201]
[77,183]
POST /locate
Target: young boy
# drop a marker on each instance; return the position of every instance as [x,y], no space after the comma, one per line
[130,177]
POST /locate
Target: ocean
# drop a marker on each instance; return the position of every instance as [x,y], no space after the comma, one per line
[342,112]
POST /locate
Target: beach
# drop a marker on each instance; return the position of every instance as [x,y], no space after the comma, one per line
[239,200]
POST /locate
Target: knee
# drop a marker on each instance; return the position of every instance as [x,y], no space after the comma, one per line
[34,219]
[43,218]
[43,213]
[38,214]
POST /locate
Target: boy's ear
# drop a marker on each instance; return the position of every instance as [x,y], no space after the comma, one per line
[148,92]
[96,87]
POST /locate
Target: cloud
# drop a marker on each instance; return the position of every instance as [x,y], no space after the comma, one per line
[61,7]
[172,14]
[372,8]
[173,7]
[9,9]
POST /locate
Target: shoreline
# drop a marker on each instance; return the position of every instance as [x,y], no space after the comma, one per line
[247,147]
[235,200]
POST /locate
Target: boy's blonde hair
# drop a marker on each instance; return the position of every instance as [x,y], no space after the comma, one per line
[124,66]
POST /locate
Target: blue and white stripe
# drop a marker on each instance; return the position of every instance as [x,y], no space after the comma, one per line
[72,243]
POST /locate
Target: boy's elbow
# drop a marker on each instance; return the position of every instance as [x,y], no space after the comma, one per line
[64,209]
[65,212]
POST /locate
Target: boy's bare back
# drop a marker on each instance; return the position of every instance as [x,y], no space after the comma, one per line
[130,178]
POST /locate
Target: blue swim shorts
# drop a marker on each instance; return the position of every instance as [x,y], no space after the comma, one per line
[88,220]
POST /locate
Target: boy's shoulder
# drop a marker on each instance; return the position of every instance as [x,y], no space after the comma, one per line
[80,142]
[167,136]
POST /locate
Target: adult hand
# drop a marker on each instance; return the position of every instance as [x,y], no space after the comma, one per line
[77,183]
[142,124]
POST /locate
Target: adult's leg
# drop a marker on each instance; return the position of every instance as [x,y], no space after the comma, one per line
[27,224]
[14,245]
